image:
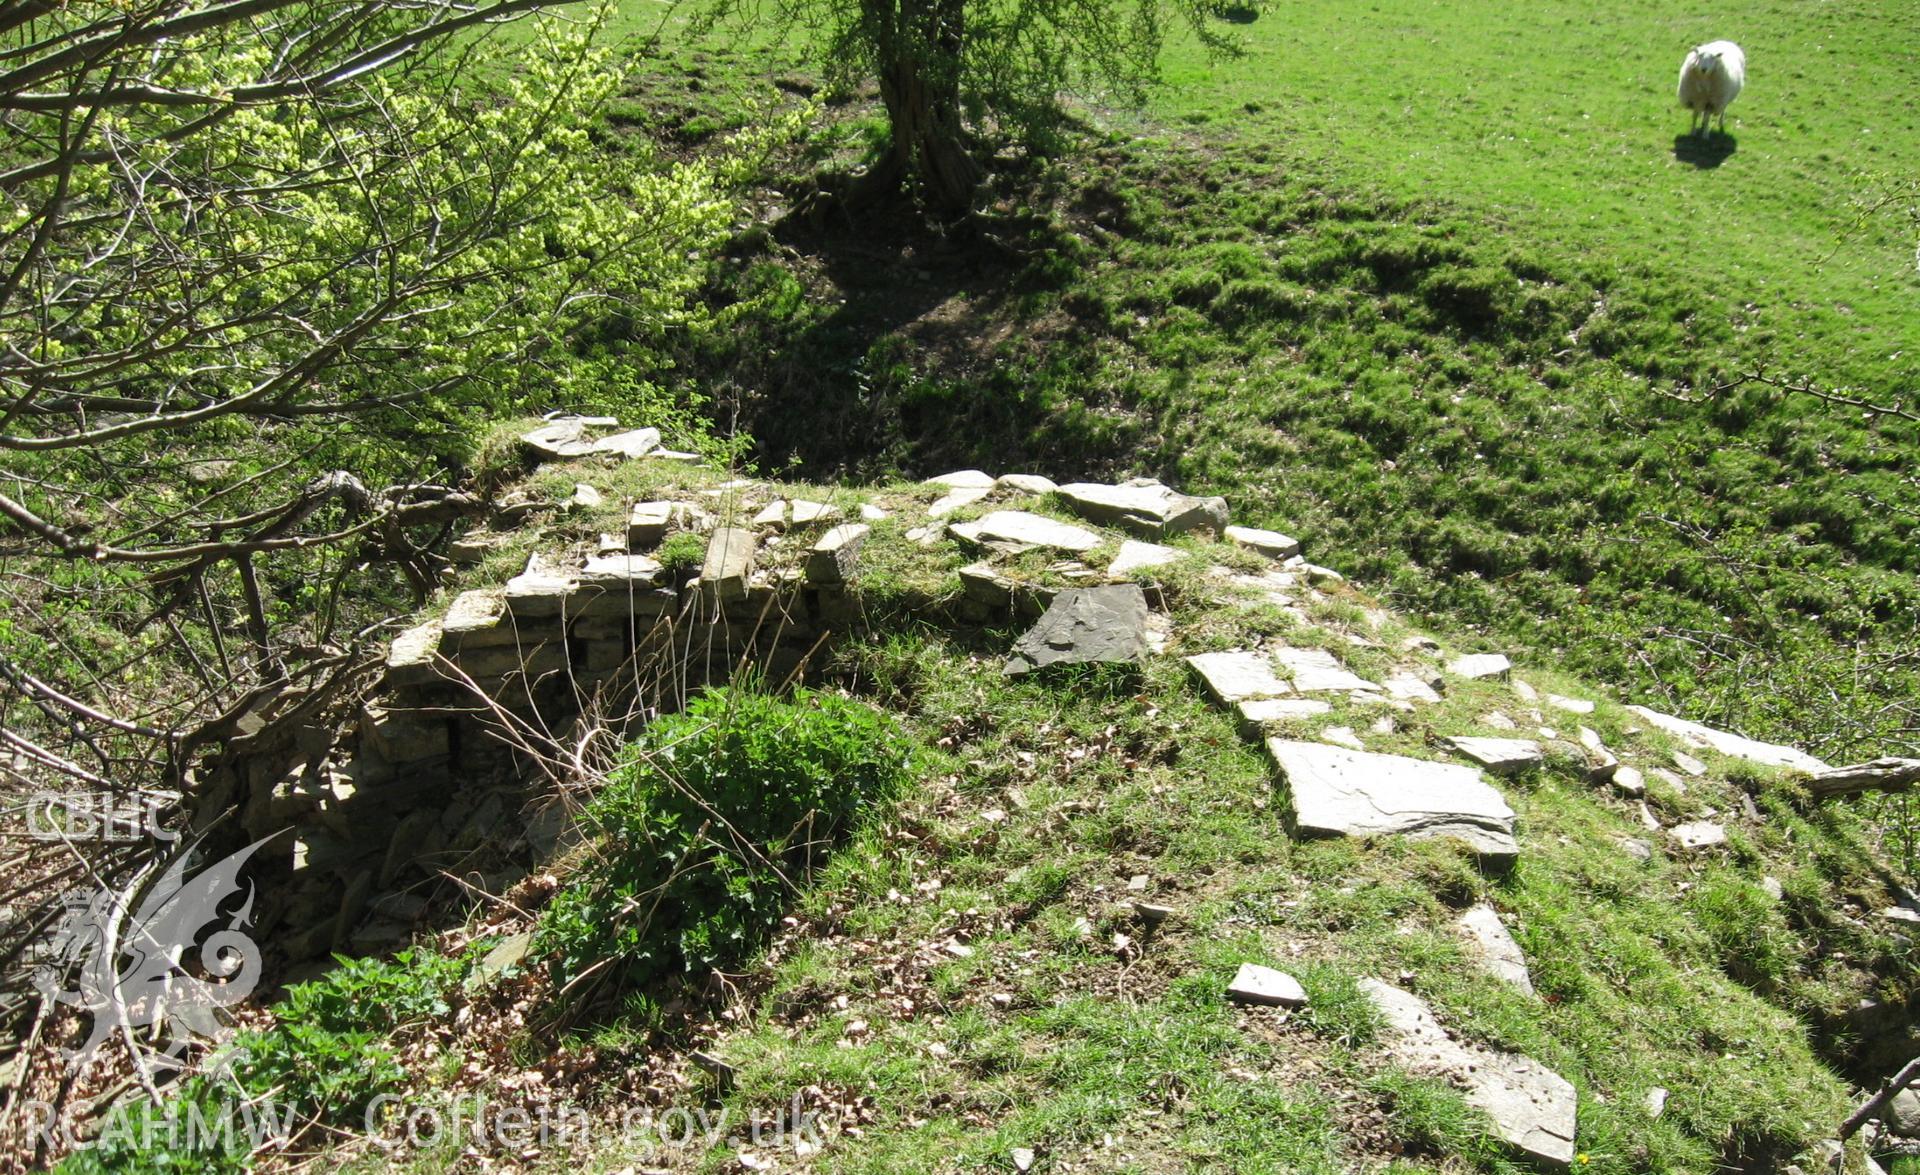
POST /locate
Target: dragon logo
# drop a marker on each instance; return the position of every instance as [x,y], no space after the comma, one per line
[131,947]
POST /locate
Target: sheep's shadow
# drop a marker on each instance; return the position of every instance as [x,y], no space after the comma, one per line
[1704,151]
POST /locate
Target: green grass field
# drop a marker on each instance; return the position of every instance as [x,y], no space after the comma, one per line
[1440,288]
[1557,121]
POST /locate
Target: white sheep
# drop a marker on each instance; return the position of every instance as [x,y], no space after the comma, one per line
[1710,79]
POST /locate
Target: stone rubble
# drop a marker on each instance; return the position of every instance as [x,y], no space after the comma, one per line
[1339,792]
[1238,676]
[1082,625]
[1735,746]
[1475,666]
[1144,508]
[1254,984]
[1532,1108]
[1502,756]
[1494,948]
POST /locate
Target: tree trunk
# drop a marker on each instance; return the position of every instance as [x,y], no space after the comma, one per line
[920,43]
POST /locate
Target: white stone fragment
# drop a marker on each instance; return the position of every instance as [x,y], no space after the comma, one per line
[1474,666]
[1733,745]
[1339,792]
[1267,542]
[1238,676]
[1254,984]
[1494,948]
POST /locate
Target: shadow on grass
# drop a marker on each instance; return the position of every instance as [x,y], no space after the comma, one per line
[1704,151]
[921,352]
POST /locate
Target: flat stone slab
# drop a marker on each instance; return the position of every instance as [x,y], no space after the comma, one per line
[1629,782]
[784,514]
[1260,710]
[1082,625]
[1494,948]
[621,572]
[1238,676]
[634,443]
[1135,556]
[410,657]
[1701,834]
[1409,687]
[723,576]
[1144,508]
[571,436]
[473,619]
[835,554]
[1254,984]
[1474,666]
[1338,792]
[962,479]
[1342,736]
[1533,1109]
[1733,745]
[1570,705]
[1502,756]
[955,499]
[1314,670]
[649,522]
[1268,542]
[564,438]
[1026,483]
[541,590]
[1031,530]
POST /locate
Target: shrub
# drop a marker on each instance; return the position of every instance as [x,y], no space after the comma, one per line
[683,550]
[321,1064]
[715,818]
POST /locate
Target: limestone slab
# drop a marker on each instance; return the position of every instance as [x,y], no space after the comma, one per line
[474,619]
[1410,687]
[1267,542]
[1494,948]
[1629,782]
[1733,745]
[563,438]
[1135,555]
[410,657]
[785,514]
[1238,676]
[1477,665]
[1314,670]
[1256,711]
[1342,736]
[1532,1108]
[1034,530]
[1338,792]
[1502,756]
[1254,984]
[1144,508]
[955,499]
[621,572]
[541,590]
[1082,625]
[633,443]
[1700,834]
[648,522]
[835,554]
[962,479]
[1026,483]
[723,576]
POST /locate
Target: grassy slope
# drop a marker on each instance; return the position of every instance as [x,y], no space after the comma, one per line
[1559,119]
[1044,1031]
[1461,319]
[1677,973]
